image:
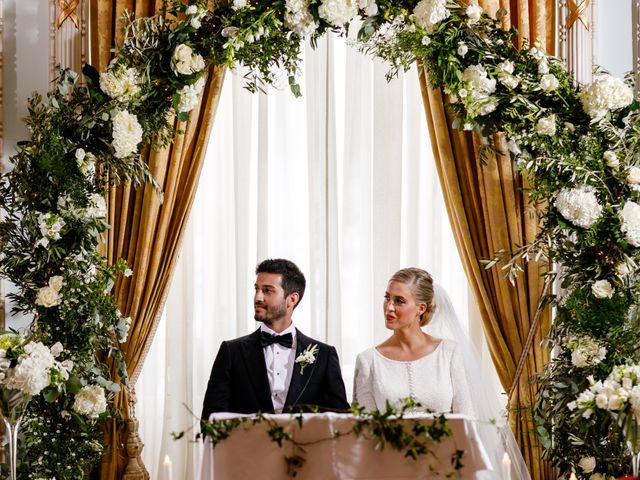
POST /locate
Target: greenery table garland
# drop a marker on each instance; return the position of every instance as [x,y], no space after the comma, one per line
[578,147]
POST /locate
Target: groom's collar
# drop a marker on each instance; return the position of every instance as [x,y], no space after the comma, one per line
[290,329]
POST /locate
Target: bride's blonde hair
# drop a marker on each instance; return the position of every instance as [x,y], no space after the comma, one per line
[421,284]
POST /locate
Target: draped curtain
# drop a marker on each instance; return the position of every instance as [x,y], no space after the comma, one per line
[488,212]
[147,229]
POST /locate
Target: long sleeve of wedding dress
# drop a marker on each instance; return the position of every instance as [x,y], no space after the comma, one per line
[437,380]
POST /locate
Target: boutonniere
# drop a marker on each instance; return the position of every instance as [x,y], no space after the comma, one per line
[307,357]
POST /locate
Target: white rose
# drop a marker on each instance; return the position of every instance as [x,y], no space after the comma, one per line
[47,297]
[549,82]
[462,49]
[56,282]
[602,401]
[547,125]
[615,402]
[612,159]
[80,154]
[587,464]
[602,289]
[633,176]
[90,401]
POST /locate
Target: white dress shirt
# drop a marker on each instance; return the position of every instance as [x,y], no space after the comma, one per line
[280,362]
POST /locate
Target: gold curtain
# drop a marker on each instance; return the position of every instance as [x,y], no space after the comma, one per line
[489,212]
[147,230]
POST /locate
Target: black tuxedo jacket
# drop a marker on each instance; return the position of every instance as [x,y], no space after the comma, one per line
[239,382]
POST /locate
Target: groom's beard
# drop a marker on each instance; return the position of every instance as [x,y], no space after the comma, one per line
[270,314]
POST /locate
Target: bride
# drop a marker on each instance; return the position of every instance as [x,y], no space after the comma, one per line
[412,363]
[437,366]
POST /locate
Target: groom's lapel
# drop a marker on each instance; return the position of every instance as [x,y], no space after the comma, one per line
[253,357]
[300,381]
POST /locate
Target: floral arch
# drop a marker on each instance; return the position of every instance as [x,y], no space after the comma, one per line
[578,149]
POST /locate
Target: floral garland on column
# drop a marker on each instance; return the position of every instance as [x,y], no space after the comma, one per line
[578,147]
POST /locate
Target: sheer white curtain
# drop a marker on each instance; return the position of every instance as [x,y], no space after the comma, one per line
[341,181]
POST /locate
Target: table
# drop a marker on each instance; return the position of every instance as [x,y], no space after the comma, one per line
[249,453]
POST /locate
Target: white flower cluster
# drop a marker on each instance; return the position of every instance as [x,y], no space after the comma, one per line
[120,83]
[307,357]
[587,465]
[479,88]
[90,401]
[619,390]
[97,207]
[586,351]
[505,70]
[298,18]
[195,15]
[86,162]
[549,82]
[428,13]
[185,62]
[611,159]
[49,295]
[32,372]
[579,205]
[338,12]
[189,95]
[127,134]
[630,218]
[474,12]
[604,94]
[50,226]
[546,125]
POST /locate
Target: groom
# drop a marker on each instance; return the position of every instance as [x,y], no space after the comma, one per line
[276,368]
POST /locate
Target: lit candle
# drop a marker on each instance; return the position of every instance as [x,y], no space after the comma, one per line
[506,467]
[167,468]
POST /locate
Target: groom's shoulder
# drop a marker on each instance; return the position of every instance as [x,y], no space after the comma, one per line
[321,345]
[233,342]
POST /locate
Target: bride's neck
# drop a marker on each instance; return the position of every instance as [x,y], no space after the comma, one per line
[409,339]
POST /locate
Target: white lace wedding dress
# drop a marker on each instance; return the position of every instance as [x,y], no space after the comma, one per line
[438,380]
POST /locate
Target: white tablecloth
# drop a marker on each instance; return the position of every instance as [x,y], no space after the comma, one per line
[250,454]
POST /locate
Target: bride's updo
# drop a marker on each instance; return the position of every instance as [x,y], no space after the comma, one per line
[421,284]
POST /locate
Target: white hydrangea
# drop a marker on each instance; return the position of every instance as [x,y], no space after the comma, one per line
[586,351]
[298,17]
[630,217]
[605,94]
[474,12]
[428,13]
[189,95]
[120,83]
[480,85]
[31,373]
[546,125]
[97,207]
[579,205]
[338,12]
[127,134]
[90,401]
[549,82]
[185,62]
[602,289]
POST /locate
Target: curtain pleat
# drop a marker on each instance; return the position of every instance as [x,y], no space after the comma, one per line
[147,228]
[488,212]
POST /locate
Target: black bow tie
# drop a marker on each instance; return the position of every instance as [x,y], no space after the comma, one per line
[267,339]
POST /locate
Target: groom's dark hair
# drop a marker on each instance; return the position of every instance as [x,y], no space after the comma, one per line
[292,278]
